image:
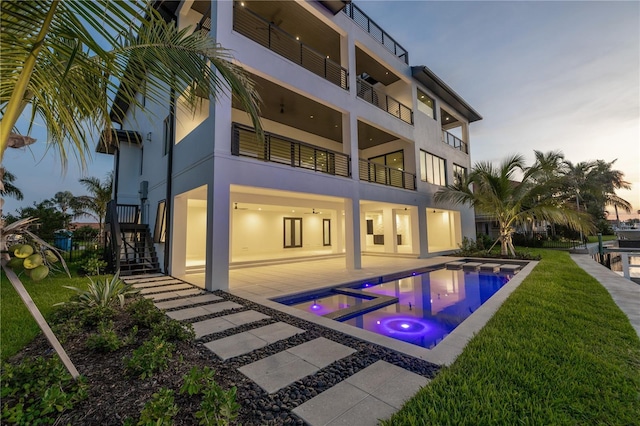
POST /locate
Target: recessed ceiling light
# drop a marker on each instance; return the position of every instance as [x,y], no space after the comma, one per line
[293,211]
[370,139]
[335,125]
[259,208]
[297,38]
[242,4]
[311,116]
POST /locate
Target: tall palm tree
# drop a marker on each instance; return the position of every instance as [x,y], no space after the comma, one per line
[8,189]
[95,204]
[63,61]
[494,190]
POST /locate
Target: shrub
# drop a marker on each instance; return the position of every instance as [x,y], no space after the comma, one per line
[37,391]
[102,293]
[106,340]
[92,265]
[160,410]
[170,329]
[85,233]
[218,407]
[152,356]
[145,313]
[196,380]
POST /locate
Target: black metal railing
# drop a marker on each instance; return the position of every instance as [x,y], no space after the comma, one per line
[364,22]
[282,150]
[128,213]
[113,238]
[284,44]
[454,141]
[385,175]
[384,102]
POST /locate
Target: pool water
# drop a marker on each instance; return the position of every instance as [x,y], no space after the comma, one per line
[326,303]
[430,305]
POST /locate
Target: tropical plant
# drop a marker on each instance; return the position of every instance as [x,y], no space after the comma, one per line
[495,191]
[7,188]
[152,356]
[160,410]
[102,293]
[49,219]
[67,203]
[95,204]
[63,61]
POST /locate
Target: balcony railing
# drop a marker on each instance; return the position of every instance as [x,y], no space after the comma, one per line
[384,102]
[284,44]
[454,141]
[282,150]
[364,22]
[385,175]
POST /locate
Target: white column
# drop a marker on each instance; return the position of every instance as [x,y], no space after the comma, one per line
[178,230]
[423,232]
[352,221]
[390,230]
[218,219]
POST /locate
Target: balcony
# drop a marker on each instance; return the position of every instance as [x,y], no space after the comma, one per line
[384,102]
[364,22]
[279,149]
[385,175]
[267,34]
[454,141]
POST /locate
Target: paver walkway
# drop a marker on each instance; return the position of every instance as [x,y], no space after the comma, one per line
[371,394]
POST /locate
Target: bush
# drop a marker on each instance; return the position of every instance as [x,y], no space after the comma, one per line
[37,390]
[91,265]
[85,233]
[160,410]
[102,293]
[218,407]
[170,329]
[152,356]
[145,313]
[107,340]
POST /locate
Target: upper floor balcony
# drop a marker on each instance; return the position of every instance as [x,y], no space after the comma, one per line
[375,172]
[283,150]
[383,101]
[361,18]
[282,26]
[454,141]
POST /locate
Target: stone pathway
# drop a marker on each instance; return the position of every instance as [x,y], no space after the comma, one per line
[364,398]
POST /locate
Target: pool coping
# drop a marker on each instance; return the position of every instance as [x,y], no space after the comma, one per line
[445,352]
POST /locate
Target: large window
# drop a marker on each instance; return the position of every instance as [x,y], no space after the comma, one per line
[459,173]
[160,231]
[393,159]
[426,104]
[292,232]
[432,169]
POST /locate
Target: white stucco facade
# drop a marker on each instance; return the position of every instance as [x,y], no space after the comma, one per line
[329,192]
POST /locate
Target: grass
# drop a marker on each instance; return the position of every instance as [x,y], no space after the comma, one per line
[559,351]
[18,326]
[594,238]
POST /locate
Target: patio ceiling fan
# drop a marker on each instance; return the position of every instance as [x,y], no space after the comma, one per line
[313,211]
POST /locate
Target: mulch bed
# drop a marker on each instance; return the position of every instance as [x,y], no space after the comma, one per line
[114,396]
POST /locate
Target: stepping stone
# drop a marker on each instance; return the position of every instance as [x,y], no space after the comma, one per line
[280,370]
[173,294]
[189,301]
[369,395]
[512,269]
[471,266]
[148,284]
[490,267]
[159,289]
[454,265]
[143,278]
[216,325]
[248,341]
[200,311]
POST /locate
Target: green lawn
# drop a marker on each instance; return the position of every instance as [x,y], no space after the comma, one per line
[558,352]
[594,238]
[17,325]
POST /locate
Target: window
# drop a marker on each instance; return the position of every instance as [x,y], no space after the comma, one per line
[141,159]
[393,159]
[426,104]
[459,174]
[326,232]
[160,231]
[167,135]
[292,232]
[432,169]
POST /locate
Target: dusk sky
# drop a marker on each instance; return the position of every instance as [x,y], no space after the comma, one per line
[544,75]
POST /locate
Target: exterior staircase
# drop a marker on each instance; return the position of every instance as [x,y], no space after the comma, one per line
[129,245]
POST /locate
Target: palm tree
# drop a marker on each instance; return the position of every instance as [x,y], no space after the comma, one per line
[8,189]
[65,60]
[494,190]
[95,205]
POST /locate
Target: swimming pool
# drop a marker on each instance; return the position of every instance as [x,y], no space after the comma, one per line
[421,309]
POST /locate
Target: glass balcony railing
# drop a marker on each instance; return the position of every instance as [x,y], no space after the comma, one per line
[454,141]
[384,102]
[385,175]
[279,149]
[284,44]
[364,22]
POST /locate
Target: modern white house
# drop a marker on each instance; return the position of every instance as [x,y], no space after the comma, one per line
[357,142]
